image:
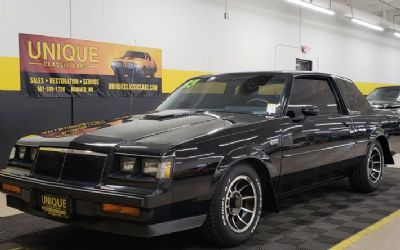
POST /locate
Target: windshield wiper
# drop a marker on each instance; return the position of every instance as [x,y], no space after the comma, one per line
[226,111]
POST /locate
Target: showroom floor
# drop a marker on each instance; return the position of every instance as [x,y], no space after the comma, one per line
[318,219]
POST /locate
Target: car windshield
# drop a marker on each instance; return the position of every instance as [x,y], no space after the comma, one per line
[256,94]
[390,94]
[134,54]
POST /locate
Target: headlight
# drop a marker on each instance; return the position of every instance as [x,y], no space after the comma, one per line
[156,168]
[116,64]
[127,164]
[24,153]
[12,153]
[32,153]
[21,152]
[23,156]
[150,167]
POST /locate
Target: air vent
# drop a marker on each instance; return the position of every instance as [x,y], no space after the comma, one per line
[167,114]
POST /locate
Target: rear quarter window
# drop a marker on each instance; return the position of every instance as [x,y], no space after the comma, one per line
[347,96]
[363,104]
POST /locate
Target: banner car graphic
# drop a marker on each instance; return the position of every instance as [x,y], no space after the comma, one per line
[61,67]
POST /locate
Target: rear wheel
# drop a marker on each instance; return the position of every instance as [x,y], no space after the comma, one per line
[368,177]
[236,208]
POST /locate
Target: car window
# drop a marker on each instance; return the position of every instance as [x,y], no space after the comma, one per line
[139,55]
[382,94]
[135,54]
[347,96]
[313,92]
[213,87]
[272,92]
[362,102]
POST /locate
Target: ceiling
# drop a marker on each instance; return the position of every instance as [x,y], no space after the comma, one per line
[382,8]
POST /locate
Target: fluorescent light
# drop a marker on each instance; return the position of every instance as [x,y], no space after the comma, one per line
[313,7]
[368,25]
[397,34]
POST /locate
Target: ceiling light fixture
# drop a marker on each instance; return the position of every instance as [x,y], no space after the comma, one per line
[366,24]
[312,7]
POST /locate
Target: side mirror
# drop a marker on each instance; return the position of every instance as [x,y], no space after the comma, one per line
[310,110]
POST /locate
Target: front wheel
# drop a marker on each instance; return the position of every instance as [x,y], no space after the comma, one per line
[368,176]
[236,208]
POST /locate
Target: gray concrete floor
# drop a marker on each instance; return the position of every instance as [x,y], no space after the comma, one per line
[4,210]
[397,161]
[386,237]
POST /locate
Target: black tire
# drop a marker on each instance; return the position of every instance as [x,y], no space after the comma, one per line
[218,228]
[362,180]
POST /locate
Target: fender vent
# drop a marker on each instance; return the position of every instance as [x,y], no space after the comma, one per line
[168,114]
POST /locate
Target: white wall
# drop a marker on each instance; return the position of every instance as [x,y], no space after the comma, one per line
[194,35]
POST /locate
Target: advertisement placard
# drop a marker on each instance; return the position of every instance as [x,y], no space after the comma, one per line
[62,67]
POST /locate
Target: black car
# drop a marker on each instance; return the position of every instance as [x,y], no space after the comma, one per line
[217,152]
[385,98]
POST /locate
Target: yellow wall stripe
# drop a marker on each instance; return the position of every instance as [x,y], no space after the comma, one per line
[9,74]
[367,87]
[172,78]
[358,236]
[10,77]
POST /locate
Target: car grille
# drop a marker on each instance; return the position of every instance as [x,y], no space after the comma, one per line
[82,168]
[49,164]
[69,166]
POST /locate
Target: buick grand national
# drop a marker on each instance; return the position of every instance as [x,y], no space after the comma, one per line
[213,155]
[134,65]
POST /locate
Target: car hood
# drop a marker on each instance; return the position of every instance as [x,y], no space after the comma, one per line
[151,133]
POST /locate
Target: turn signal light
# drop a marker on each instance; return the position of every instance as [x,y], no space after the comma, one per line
[112,208]
[11,188]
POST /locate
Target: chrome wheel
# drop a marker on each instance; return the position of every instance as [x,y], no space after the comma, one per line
[375,165]
[241,204]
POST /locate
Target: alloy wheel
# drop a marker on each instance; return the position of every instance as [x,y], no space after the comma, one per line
[375,165]
[241,204]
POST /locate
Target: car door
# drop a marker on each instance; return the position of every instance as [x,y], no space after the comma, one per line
[360,111]
[314,148]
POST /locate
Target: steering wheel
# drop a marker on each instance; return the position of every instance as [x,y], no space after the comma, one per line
[256,100]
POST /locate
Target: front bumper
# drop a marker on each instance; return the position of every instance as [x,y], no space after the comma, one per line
[85,210]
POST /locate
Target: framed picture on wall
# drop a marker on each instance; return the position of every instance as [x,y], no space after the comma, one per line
[304,65]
